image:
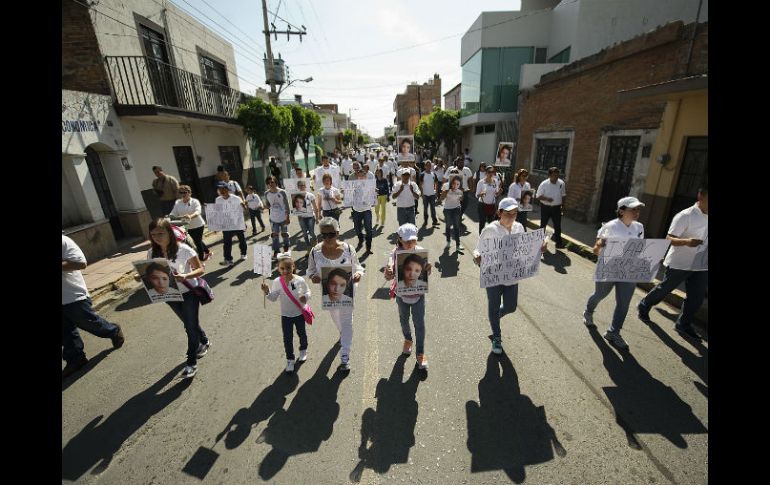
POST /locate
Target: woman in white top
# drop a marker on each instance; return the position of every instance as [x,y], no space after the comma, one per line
[452,193]
[331,252]
[186,268]
[189,209]
[514,191]
[624,227]
[487,191]
[329,199]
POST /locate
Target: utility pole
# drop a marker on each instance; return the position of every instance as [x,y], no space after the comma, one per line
[270,71]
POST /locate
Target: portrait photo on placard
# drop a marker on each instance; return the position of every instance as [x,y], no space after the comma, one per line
[405,147]
[299,204]
[526,200]
[504,151]
[158,279]
[411,272]
[337,286]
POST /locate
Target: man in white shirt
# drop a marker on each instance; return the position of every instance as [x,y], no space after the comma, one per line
[362,218]
[368,171]
[467,176]
[347,167]
[325,168]
[77,311]
[405,192]
[551,194]
[429,181]
[227,236]
[686,261]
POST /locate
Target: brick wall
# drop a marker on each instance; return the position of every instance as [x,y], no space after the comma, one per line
[82,68]
[583,97]
[406,104]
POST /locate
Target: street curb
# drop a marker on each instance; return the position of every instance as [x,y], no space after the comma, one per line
[675,298]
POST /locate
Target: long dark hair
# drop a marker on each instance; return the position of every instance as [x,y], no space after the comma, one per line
[173,244]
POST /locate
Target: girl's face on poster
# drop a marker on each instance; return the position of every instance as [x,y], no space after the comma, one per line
[159,281]
[505,153]
[336,287]
[299,202]
[412,271]
[525,199]
[405,148]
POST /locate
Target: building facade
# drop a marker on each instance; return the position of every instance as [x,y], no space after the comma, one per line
[417,101]
[452,98]
[143,86]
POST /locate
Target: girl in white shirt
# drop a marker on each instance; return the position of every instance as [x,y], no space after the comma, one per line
[291,314]
[624,227]
[487,191]
[519,185]
[452,191]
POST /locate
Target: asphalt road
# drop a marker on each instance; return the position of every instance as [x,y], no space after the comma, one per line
[558,406]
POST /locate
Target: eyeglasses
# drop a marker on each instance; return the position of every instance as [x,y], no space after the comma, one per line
[328,235]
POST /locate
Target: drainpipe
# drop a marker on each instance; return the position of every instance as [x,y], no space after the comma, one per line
[692,39]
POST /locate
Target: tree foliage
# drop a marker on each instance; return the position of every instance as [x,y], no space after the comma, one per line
[441,126]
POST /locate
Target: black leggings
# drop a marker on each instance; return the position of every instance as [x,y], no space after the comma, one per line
[197,236]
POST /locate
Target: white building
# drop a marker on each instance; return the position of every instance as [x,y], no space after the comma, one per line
[503,53]
[141,86]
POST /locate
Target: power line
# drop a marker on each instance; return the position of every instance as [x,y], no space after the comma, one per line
[228,21]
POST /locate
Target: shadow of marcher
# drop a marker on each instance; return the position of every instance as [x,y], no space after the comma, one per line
[308,421]
[137,299]
[505,429]
[92,362]
[271,399]
[448,265]
[643,404]
[702,331]
[98,443]
[243,277]
[696,363]
[559,260]
[389,429]
[213,278]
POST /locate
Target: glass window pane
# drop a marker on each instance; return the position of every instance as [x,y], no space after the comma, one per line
[469,93]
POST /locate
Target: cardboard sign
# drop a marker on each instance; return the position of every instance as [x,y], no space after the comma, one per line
[630,260]
[337,286]
[225,217]
[263,264]
[158,279]
[359,193]
[504,154]
[510,258]
[291,186]
[411,275]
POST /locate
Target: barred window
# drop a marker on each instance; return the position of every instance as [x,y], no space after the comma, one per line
[552,152]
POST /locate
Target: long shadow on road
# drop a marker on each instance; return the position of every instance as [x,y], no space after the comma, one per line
[559,260]
[699,364]
[643,404]
[307,422]
[389,429]
[506,431]
[98,442]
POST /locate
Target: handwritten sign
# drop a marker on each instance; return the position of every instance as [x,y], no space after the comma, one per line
[158,279]
[291,186]
[630,260]
[262,259]
[225,217]
[411,276]
[337,286]
[359,193]
[319,173]
[510,258]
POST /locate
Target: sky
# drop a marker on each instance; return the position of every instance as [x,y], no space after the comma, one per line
[338,30]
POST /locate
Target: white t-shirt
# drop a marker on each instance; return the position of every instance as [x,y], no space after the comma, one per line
[489,189]
[429,183]
[184,208]
[309,209]
[347,166]
[554,191]
[689,223]
[73,285]
[277,202]
[329,197]
[333,170]
[405,198]
[254,201]
[439,173]
[514,191]
[453,197]
[298,288]
[495,230]
[615,229]
[385,167]
[181,264]
[465,173]
[234,187]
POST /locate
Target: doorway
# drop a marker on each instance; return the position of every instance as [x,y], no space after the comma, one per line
[96,170]
[188,173]
[619,175]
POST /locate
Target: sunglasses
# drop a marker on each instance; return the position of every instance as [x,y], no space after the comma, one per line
[328,235]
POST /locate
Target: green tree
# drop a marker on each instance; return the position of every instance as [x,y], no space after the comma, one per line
[311,129]
[360,140]
[262,123]
[347,137]
[391,139]
[445,127]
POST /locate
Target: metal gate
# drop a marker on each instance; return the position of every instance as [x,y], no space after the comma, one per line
[103,192]
[619,174]
[693,174]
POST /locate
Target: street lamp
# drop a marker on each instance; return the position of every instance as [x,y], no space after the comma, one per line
[293,81]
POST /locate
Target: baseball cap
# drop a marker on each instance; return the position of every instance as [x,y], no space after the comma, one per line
[507,204]
[403,171]
[408,232]
[629,203]
[222,185]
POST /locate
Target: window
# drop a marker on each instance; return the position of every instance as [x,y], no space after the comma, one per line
[540,53]
[481,129]
[561,57]
[214,71]
[551,152]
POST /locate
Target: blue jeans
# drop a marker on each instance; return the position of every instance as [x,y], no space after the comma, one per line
[418,317]
[81,314]
[307,226]
[363,219]
[404,215]
[452,221]
[288,324]
[510,297]
[227,244]
[623,293]
[187,311]
[429,201]
[256,213]
[277,227]
[695,283]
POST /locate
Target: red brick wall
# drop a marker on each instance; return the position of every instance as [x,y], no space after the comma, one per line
[82,68]
[583,97]
[406,104]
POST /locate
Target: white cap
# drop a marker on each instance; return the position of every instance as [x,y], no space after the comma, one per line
[408,232]
[507,204]
[629,203]
[403,171]
[286,255]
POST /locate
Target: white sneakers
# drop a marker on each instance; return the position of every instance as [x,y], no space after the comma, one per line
[345,363]
[289,366]
[189,371]
[302,355]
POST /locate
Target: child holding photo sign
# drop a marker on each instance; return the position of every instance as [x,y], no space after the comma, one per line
[407,240]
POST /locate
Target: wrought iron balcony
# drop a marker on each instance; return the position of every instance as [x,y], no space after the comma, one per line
[143,82]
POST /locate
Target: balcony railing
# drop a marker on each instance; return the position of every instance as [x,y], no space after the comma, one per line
[144,81]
